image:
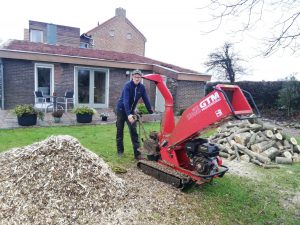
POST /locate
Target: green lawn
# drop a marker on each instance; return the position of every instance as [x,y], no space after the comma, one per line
[233,200]
[98,138]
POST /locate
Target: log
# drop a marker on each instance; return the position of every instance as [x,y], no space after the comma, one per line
[293,141]
[252,140]
[242,138]
[224,148]
[279,145]
[237,153]
[230,125]
[269,133]
[277,136]
[261,136]
[268,126]
[256,162]
[255,127]
[296,160]
[232,157]
[245,158]
[224,154]
[287,154]
[286,143]
[261,158]
[269,145]
[244,124]
[271,166]
[242,130]
[260,147]
[296,157]
[297,148]
[283,160]
[271,152]
[265,166]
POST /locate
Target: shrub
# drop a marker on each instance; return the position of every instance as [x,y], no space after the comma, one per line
[84,110]
[142,108]
[289,95]
[57,114]
[27,109]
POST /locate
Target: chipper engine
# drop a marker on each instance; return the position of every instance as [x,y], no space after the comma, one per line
[176,155]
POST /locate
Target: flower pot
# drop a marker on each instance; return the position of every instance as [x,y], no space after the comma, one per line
[104,118]
[27,120]
[84,118]
[56,119]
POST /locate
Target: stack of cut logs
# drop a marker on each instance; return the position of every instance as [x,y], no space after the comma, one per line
[256,142]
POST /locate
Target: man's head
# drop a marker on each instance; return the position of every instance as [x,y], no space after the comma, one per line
[136,76]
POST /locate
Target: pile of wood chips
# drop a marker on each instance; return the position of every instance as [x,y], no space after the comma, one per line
[57,181]
[256,142]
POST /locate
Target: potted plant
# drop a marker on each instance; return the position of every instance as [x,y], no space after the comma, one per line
[27,114]
[84,114]
[104,116]
[57,115]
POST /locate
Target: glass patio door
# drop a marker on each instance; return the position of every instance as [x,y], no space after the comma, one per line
[83,86]
[92,87]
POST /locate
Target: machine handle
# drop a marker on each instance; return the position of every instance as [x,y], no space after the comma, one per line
[257,114]
[219,173]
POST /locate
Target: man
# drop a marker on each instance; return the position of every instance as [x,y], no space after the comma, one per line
[133,90]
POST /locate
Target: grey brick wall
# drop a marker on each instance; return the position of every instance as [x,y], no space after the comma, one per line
[63,78]
[117,79]
[18,81]
[68,36]
[188,92]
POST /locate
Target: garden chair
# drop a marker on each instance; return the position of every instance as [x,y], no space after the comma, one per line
[40,100]
[67,99]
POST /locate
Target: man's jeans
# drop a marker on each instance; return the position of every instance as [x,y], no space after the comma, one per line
[121,119]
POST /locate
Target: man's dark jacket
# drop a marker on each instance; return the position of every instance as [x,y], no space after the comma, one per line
[130,96]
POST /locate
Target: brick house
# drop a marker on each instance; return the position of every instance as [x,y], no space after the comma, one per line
[50,59]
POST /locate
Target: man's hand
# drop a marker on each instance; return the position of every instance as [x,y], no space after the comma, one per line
[131,118]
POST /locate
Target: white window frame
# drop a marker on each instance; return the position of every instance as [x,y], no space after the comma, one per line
[42,65]
[92,69]
[36,34]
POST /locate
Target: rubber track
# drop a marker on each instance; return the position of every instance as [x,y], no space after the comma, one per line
[164,173]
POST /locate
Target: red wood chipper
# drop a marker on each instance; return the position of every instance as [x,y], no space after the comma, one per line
[176,155]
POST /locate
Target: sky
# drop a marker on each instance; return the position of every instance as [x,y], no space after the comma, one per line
[173,28]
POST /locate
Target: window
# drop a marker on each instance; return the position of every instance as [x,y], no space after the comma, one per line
[36,35]
[91,87]
[112,33]
[129,36]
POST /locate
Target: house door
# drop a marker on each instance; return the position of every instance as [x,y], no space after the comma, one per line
[91,87]
[44,79]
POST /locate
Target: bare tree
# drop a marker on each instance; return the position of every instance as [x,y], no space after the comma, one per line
[283,14]
[224,62]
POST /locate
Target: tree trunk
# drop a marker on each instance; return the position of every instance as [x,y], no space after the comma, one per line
[283,160]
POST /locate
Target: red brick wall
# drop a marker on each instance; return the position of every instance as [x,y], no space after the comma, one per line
[105,39]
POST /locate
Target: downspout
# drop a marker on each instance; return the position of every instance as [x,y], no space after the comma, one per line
[1,85]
